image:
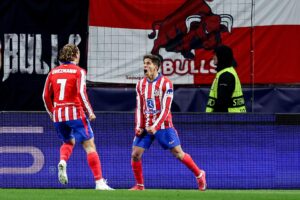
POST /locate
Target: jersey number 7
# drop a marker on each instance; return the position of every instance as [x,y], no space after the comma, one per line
[62,83]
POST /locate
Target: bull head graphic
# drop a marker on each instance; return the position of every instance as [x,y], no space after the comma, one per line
[192,26]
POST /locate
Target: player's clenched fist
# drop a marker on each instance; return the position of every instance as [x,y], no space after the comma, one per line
[151,130]
[139,132]
[92,117]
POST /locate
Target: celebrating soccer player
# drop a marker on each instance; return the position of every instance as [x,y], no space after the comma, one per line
[67,103]
[154,95]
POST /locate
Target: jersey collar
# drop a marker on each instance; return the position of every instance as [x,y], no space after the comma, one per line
[158,77]
[66,63]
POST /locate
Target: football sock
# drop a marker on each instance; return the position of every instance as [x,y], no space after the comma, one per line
[95,165]
[138,171]
[189,162]
[66,151]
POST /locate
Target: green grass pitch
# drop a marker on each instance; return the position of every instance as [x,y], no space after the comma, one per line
[151,194]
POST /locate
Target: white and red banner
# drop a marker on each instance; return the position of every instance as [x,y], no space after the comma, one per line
[264,35]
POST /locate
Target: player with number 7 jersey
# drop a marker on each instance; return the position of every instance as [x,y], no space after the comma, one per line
[67,84]
[67,103]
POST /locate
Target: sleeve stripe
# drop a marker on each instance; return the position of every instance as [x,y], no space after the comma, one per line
[167,100]
[83,93]
[46,95]
[139,109]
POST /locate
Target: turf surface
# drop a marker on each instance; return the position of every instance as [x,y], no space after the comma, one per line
[79,194]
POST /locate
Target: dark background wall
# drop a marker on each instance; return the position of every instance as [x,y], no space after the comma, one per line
[31,34]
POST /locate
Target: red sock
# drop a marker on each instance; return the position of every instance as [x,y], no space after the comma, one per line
[188,161]
[95,165]
[66,151]
[137,171]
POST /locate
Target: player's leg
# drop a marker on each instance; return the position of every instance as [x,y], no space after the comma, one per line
[168,139]
[137,169]
[138,147]
[84,134]
[66,149]
[93,158]
[188,161]
[95,164]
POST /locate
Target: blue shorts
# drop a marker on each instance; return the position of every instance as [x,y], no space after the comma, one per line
[79,129]
[167,138]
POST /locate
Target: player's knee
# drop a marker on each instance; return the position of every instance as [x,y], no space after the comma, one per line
[178,154]
[89,149]
[89,146]
[135,156]
[70,142]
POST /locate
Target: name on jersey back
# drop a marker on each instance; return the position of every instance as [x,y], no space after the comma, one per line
[68,71]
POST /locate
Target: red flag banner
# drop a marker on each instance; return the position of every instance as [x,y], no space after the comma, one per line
[264,36]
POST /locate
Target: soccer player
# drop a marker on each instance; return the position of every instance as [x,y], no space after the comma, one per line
[154,95]
[67,103]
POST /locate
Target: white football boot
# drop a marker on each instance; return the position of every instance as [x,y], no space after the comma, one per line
[102,185]
[62,172]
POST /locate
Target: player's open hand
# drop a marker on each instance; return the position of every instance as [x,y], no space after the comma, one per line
[151,130]
[92,117]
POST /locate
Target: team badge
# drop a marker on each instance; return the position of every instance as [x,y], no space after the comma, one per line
[156,93]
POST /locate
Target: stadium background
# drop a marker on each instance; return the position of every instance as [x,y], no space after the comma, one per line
[255,150]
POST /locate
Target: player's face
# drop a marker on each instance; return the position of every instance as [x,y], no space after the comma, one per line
[150,70]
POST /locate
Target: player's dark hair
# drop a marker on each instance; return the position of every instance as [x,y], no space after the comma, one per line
[68,53]
[154,58]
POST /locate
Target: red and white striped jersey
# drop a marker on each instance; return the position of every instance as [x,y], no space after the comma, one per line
[64,95]
[153,103]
